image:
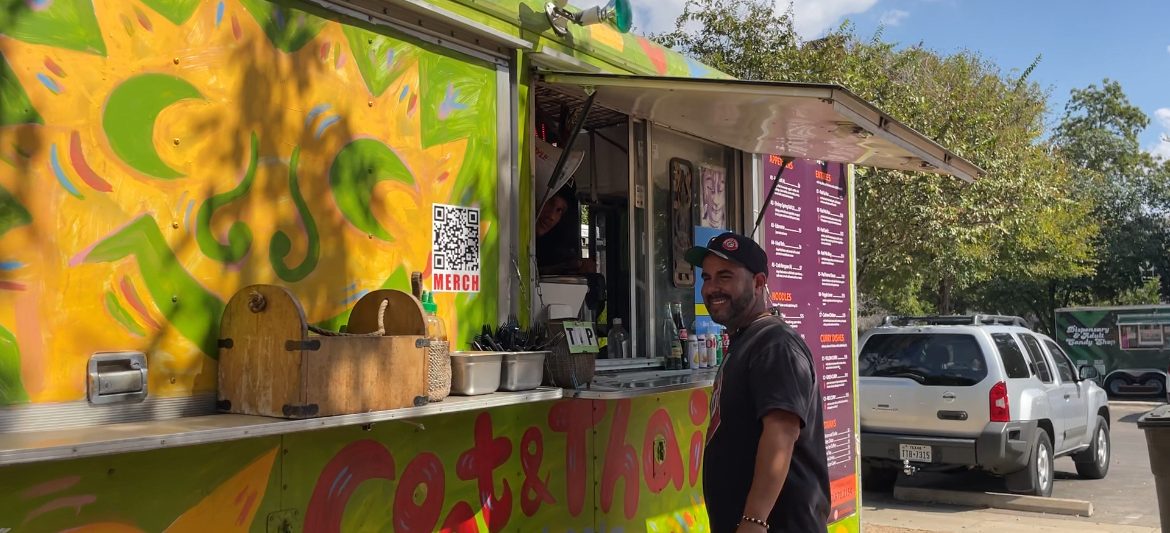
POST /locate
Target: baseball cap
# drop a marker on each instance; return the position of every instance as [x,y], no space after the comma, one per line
[732,247]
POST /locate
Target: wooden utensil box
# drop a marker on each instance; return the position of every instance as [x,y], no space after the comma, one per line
[270,364]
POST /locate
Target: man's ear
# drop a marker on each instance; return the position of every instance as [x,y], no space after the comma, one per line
[761,280]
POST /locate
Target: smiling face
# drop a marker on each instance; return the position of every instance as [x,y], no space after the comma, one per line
[551,215]
[733,294]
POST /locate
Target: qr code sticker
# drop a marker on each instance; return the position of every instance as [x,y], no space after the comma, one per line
[456,239]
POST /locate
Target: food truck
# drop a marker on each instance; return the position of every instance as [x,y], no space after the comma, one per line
[1128,344]
[214,213]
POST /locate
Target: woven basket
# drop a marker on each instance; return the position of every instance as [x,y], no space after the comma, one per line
[438,370]
[568,370]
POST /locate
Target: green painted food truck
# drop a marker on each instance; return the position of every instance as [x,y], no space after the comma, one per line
[207,208]
[1129,345]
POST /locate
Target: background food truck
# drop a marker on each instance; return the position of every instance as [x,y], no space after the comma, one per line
[186,181]
[1129,345]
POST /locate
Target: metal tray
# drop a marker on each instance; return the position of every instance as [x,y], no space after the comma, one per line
[522,371]
[474,373]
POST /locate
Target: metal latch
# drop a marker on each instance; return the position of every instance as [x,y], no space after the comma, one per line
[116,377]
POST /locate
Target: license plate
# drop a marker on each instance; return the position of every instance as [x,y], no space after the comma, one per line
[914,452]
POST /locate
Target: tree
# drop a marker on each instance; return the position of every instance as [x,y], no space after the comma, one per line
[727,42]
[1099,130]
[926,243]
[1098,135]
[1148,293]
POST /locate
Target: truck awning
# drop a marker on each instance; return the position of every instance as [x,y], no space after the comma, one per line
[808,121]
[1142,319]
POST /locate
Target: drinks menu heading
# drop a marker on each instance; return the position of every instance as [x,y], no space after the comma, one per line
[806,235]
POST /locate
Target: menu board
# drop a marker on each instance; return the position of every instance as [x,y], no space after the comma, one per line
[806,235]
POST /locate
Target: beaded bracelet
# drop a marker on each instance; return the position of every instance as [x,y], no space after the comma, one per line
[755,521]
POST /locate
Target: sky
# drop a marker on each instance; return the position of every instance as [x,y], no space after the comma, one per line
[1081,41]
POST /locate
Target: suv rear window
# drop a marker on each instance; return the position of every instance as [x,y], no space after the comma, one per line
[1010,354]
[929,359]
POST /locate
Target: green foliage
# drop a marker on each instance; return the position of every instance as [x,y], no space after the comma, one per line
[1100,128]
[1149,293]
[1098,134]
[732,37]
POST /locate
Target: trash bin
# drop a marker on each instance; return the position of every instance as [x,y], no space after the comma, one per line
[1156,424]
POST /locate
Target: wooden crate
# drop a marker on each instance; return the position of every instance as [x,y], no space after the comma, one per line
[271,365]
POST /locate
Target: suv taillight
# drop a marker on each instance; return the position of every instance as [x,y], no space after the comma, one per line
[1001,410]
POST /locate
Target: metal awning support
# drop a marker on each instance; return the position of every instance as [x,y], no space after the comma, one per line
[784,161]
[798,120]
[567,148]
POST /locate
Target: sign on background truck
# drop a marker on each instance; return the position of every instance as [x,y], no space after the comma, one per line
[1130,345]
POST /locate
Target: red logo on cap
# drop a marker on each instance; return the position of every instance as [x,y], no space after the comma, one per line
[731,245]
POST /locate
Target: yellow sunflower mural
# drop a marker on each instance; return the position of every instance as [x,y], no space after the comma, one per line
[157,155]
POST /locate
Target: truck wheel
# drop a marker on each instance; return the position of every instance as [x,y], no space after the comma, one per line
[877,478]
[1037,478]
[1155,382]
[1093,463]
[1114,384]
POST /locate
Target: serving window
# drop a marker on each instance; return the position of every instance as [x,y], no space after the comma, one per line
[641,195]
[1143,336]
[678,177]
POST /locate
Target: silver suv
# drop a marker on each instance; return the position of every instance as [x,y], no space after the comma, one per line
[982,391]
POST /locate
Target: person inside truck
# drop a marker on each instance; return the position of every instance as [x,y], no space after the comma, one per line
[558,225]
[558,229]
[558,245]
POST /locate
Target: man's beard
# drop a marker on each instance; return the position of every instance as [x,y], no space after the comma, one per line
[737,307]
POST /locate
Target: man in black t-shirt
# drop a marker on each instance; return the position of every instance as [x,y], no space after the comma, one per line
[765,467]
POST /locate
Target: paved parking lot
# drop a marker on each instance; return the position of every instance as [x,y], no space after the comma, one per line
[881,514]
[1126,496]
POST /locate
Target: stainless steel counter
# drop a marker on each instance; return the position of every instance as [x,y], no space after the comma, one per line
[108,439]
[637,363]
[34,446]
[638,384]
